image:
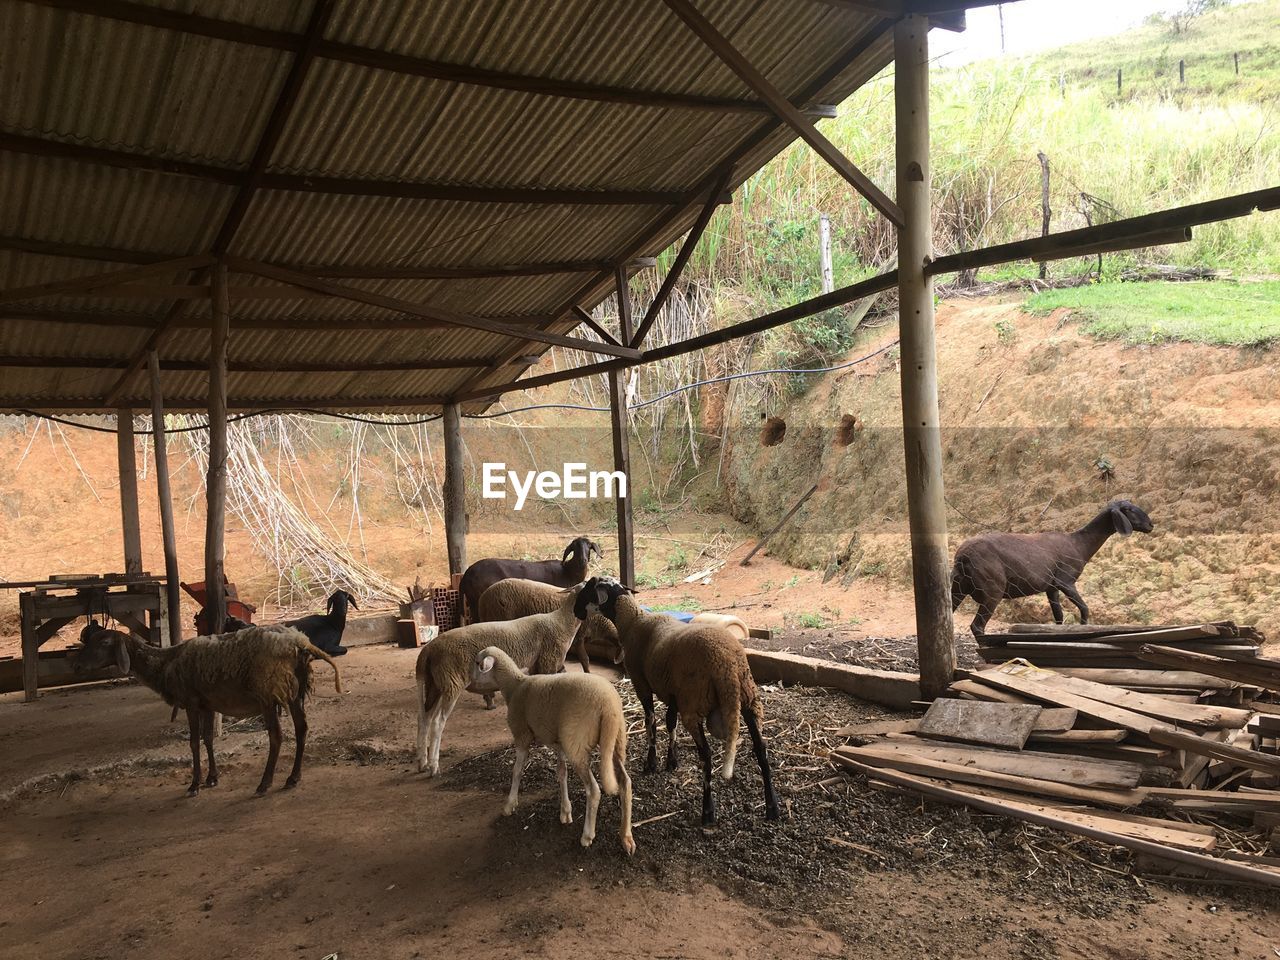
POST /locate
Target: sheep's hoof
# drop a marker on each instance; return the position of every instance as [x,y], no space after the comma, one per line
[586,841]
[651,765]
[566,816]
[771,811]
[211,781]
[292,782]
[509,808]
[193,790]
[262,790]
[629,845]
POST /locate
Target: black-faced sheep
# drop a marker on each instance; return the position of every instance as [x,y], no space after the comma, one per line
[1003,566]
[571,568]
[254,672]
[700,672]
[512,599]
[536,643]
[572,713]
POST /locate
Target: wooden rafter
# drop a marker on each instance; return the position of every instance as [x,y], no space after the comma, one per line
[784,108]
[590,322]
[291,322]
[682,258]
[87,284]
[374,271]
[357,295]
[275,404]
[128,12]
[250,366]
[304,53]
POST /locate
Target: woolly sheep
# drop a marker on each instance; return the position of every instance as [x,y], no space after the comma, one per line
[570,569]
[537,643]
[513,598]
[700,672]
[572,713]
[1002,566]
[253,672]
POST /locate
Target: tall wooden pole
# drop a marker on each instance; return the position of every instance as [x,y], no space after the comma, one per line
[923,443]
[128,464]
[165,496]
[621,438]
[216,480]
[455,491]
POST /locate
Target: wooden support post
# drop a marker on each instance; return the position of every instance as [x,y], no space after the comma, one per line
[824,241]
[1119,80]
[165,496]
[1182,71]
[1236,57]
[128,465]
[921,437]
[455,491]
[621,421]
[216,480]
[30,648]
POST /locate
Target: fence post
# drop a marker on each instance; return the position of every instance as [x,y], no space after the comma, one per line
[1044,207]
[824,239]
[1236,57]
[1119,80]
[1182,71]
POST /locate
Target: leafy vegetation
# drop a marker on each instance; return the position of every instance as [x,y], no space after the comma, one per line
[1215,312]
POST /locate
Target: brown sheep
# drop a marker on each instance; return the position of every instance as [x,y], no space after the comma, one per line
[1003,566]
[253,672]
[700,672]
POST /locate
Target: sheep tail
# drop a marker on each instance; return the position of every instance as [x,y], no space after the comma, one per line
[613,750]
[731,693]
[319,654]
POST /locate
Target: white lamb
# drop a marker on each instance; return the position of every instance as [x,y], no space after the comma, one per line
[536,643]
[572,713]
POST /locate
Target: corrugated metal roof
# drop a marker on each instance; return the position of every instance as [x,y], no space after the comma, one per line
[116,82]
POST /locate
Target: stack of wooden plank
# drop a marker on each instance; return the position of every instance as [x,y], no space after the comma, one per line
[1112,653]
[1169,775]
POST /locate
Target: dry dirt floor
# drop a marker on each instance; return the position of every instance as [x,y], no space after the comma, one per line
[104,857]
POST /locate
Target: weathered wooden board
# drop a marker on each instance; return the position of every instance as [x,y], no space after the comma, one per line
[1079,770]
[1108,714]
[980,691]
[1139,677]
[1236,756]
[1083,737]
[876,757]
[973,721]
[1257,675]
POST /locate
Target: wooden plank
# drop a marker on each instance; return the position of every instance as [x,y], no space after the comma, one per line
[1239,801]
[1253,674]
[1236,756]
[866,757]
[1055,719]
[878,728]
[77,285]
[1234,870]
[785,110]
[981,691]
[763,541]
[1209,717]
[1081,737]
[969,721]
[1107,714]
[1199,632]
[1080,771]
[886,687]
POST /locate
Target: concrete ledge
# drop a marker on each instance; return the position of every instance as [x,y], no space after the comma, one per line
[377,628]
[885,687]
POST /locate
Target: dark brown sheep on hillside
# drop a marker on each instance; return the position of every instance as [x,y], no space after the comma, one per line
[1003,566]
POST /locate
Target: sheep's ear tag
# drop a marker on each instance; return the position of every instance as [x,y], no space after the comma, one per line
[122,657]
[486,665]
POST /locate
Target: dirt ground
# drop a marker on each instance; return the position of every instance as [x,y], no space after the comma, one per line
[103,857]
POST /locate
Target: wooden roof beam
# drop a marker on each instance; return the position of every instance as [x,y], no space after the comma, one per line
[249,181]
[201,403]
[86,285]
[249,366]
[316,324]
[231,31]
[784,109]
[389,271]
[357,295]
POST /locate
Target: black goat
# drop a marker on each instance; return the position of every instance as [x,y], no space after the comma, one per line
[569,570]
[1003,566]
[325,631]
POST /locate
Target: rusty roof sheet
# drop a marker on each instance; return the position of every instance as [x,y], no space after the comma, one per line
[81,94]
